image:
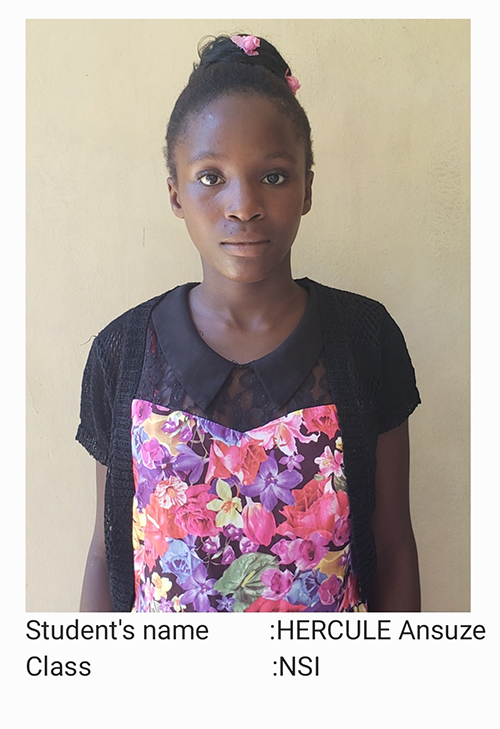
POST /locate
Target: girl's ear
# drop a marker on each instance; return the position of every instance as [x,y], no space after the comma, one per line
[173,194]
[308,193]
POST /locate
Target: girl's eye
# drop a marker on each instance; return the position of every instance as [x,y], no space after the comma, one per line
[209,179]
[274,178]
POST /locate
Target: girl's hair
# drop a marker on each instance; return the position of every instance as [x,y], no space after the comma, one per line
[225,68]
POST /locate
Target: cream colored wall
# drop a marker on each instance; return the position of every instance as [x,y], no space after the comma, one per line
[388,103]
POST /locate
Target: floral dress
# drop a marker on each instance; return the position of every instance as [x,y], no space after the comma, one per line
[254,521]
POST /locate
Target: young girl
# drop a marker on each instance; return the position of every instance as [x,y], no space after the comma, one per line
[250,430]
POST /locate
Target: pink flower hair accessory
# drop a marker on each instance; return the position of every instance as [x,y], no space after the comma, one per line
[292,81]
[247,43]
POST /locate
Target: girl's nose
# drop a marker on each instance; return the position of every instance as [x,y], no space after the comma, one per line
[244,202]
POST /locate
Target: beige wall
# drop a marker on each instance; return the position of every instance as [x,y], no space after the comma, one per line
[388,102]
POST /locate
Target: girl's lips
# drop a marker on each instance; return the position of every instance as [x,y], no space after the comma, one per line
[243,241]
[244,247]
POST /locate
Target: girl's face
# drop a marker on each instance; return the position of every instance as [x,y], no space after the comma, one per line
[241,187]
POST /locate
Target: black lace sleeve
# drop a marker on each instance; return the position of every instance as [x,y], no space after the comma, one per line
[94,431]
[399,395]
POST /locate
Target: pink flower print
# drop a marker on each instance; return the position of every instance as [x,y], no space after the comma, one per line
[193,516]
[322,418]
[342,530]
[329,590]
[141,410]
[259,524]
[329,462]
[171,492]
[247,43]
[277,583]
[139,560]
[160,525]
[315,511]
[264,605]
[242,461]
[153,453]
[283,434]
[283,550]
[307,553]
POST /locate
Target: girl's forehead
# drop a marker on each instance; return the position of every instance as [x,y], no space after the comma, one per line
[243,119]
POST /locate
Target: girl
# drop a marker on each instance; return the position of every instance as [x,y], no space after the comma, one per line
[250,430]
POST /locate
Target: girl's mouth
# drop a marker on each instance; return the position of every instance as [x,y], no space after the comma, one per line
[244,241]
[242,246]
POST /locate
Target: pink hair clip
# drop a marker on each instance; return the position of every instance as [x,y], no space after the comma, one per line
[247,43]
[292,82]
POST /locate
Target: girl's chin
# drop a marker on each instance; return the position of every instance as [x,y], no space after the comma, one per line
[246,270]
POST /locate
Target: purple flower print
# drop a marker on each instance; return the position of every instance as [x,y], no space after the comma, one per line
[232,532]
[344,560]
[211,545]
[189,462]
[225,603]
[228,555]
[198,588]
[143,492]
[292,461]
[272,486]
[247,546]
[219,432]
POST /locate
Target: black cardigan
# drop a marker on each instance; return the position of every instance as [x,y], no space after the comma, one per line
[373,386]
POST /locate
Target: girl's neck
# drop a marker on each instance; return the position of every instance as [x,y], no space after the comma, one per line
[247,306]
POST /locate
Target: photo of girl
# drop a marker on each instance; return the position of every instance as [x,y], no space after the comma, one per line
[250,425]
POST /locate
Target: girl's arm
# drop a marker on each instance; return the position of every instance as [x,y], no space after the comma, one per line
[96,595]
[397,585]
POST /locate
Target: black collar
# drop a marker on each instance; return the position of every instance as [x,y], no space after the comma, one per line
[202,372]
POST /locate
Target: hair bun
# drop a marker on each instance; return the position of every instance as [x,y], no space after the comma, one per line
[221,49]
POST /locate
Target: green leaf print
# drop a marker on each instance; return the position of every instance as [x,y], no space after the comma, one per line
[242,578]
[339,483]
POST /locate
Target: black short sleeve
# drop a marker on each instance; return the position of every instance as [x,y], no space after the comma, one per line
[94,431]
[399,395]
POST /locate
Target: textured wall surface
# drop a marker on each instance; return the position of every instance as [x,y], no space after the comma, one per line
[388,102]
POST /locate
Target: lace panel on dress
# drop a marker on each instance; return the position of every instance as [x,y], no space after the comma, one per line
[242,402]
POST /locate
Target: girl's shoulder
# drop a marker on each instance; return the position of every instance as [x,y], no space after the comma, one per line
[134,317]
[347,299]
[129,326]
[121,342]
[361,337]
[350,312]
